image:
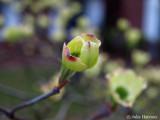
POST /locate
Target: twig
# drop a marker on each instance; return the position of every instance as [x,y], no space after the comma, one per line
[11,113]
[107,111]
[8,113]
[5,111]
[35,100]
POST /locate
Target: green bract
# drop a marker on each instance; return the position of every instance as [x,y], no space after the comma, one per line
[16,33]
[81,53]
[123,24]
[125,86]
[140,58]
[133,37]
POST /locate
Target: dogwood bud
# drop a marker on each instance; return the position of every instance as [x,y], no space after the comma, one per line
[81,53]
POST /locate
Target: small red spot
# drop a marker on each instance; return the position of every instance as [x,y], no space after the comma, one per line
[70,57]
[89,44]
[91,36]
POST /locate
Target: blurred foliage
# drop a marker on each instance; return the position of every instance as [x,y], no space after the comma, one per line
[1,21]
[97,69]
[83,22]
[151,73]
[123,24]
[59,36]
[140,58]
[16,33]
[54,81]
[132,36]
[83,26]
[111,65]
[35,14]
[152,92]
[43,21]
[6,1]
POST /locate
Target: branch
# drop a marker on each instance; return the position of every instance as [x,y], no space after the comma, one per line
[105,112]
[11,113]
[8,114]
[35,100]
[5,111]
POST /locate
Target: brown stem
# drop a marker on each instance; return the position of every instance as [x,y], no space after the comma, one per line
[11,113]
[8,114]
[107,111]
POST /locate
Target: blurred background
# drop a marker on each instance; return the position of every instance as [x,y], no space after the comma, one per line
[32,33]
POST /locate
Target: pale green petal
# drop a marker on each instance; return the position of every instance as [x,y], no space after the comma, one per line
[75,46]
[125,86]
[92,38]
[89,54]
[71,62]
